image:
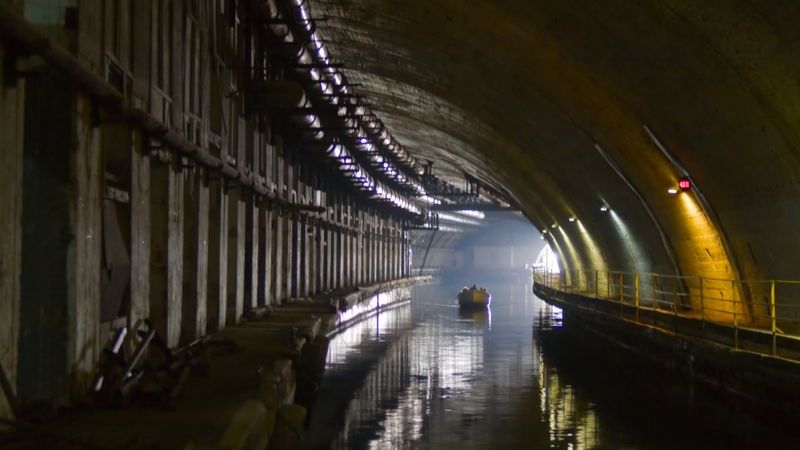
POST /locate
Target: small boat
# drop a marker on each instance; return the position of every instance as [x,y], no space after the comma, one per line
[474,297]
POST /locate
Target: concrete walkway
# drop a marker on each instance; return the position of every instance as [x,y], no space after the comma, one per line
[247,396]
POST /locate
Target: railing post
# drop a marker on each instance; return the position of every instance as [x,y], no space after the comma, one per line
[675,299]
[735,326]
[596,284]
[772,317]
[621,288]
[636,294]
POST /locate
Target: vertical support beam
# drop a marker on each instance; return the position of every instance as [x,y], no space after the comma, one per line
[328,248]
[347,245]
[371,249]
[305,253]
[217,286]
[159,244]
[358,254]
[278,243]
[140,233]
[175,255]
[251,249]
[84,274]
[195,260]
[297,249]
[338,281]
[288,245]
[393,252]
[236,224]
[265,257]
[12,113]
[315,273]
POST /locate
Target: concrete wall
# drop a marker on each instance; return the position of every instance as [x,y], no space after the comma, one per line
[202,251]
[12,94]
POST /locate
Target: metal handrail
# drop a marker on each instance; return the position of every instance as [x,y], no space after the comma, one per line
[771,306]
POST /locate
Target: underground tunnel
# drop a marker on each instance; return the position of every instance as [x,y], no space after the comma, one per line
[251,224]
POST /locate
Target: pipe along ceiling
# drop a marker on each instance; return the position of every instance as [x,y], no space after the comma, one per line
[318,100]
[585,115]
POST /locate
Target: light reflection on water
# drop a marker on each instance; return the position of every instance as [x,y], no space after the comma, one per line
[425,375]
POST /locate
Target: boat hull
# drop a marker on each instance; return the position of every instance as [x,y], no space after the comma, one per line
[474,299]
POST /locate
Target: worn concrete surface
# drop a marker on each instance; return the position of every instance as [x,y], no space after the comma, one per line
[519,93]
[208,404]
[11,115]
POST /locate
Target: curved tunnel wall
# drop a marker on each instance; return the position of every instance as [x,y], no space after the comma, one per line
[520,92]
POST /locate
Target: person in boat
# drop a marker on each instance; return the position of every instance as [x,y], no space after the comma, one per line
[474,287]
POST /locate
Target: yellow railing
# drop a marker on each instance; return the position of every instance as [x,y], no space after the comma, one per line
[753,307]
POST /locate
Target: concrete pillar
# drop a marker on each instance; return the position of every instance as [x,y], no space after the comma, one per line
[236,244]
[251,252]
[264,257]
[195,260]
[307,261]
[398,252]
[278,277]
[382,256]
[166,282]
[84,350]
[392,243]
[386,260]
[373,249]
[297,249]
[291,257]
[356,246]
[58,265]
[217,272]
[313,269]
[368,239]
[140,233]
[302,257]
[288,245]
[12,112]
[328,249]
[344,246]
[370,247]
[338,275]
[170,314]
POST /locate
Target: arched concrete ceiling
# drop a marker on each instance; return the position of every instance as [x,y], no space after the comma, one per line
[519,92]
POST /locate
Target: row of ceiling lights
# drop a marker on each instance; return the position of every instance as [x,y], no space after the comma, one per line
[684,184]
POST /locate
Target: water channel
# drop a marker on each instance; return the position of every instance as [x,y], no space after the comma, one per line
[425,375]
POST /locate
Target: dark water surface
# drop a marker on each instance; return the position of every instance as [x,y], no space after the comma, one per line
[424,375]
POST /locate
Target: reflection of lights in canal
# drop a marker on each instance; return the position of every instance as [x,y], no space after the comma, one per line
[571,420]
[346,341]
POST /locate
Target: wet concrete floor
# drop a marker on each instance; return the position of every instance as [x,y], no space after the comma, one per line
[425,375]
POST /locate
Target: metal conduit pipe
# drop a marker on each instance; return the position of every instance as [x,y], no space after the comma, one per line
[16,28]
[457,218]
[281,95]
[289,95]
[408,169]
